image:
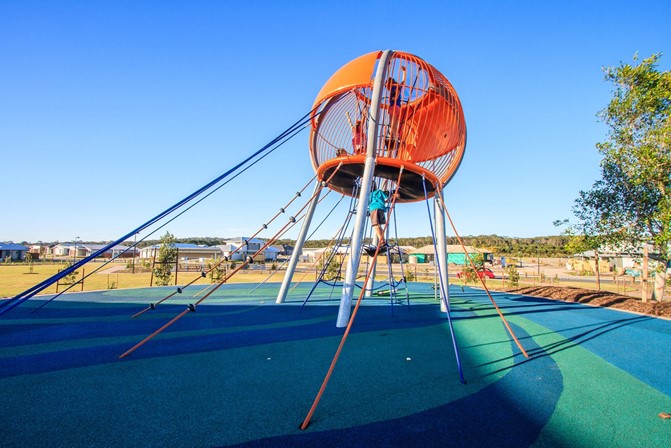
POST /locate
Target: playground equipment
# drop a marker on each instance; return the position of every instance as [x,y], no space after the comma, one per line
[386,118]
[391,117]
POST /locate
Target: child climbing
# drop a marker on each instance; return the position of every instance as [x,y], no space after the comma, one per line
[377,209]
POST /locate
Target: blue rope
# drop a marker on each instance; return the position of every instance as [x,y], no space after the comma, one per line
[30,292]
[443,295]
[168,222]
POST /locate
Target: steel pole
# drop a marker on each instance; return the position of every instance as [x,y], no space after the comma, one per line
[362,206]
[291,267]
[441,249]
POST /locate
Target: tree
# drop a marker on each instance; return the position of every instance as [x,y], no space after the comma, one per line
[29,260]
[587,234]
[216,269]
[334,268]
[631,203]
[166,257]
[470,274]
[513,275]
[71,278]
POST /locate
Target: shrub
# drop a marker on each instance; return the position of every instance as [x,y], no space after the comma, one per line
[513,275]
[167,255]
[216,270]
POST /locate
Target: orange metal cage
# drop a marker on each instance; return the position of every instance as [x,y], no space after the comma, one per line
[421,125]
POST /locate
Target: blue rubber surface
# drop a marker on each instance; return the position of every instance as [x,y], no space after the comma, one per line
[242,371]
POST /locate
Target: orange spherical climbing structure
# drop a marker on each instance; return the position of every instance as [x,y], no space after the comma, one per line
[420,125]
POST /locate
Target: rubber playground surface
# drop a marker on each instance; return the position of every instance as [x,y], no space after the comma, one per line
[242,371]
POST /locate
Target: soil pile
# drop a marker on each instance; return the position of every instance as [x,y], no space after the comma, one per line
[597,298]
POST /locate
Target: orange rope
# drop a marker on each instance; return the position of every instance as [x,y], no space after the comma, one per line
[306,422]
[498,310]
[284,229]
[199,301]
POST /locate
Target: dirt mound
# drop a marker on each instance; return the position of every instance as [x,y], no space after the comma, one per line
[597,298]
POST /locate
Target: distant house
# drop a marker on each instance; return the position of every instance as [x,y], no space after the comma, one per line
[64,250]
[287,250]
[455,254]
[12,252]
[119,250]
[613,259]
[82,250]
[39,250]
[311,255]
[283,249]
[242,247]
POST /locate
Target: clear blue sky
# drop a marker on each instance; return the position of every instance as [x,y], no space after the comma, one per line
[111,111]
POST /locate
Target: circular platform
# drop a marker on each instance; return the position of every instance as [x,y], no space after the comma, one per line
[349,169]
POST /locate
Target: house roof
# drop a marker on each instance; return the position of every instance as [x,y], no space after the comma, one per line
[12,246]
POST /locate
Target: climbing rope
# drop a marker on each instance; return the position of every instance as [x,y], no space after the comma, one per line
[192,307]
[496,307]
[165,224]
[272,145]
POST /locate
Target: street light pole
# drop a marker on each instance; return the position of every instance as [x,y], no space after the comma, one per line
[134,247]
[74,252]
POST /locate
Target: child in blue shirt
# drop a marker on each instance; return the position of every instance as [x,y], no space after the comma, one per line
[377,209]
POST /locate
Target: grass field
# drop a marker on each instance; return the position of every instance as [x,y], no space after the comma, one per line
[16,278]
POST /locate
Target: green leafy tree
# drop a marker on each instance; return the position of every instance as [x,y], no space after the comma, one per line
[165,259]
[470,274]
[513,275]
[631,203]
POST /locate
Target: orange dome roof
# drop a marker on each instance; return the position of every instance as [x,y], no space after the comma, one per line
[421,125]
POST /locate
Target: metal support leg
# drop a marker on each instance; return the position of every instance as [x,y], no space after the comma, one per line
[369,168]
[441,250]
[298,249]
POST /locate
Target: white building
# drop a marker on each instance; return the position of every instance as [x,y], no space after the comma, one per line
[240,248]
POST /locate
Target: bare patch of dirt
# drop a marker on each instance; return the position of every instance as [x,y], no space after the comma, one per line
[597,298]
